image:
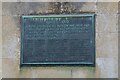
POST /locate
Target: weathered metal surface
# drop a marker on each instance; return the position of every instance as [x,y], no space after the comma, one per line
[58,39]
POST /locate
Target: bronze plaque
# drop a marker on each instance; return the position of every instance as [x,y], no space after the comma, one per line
[58,39]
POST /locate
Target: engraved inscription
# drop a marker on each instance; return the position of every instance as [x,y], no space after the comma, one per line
[58,39]
[56,28]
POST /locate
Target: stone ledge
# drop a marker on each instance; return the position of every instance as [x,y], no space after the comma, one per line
[57,72]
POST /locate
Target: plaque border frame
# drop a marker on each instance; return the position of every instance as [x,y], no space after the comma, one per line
[59,63]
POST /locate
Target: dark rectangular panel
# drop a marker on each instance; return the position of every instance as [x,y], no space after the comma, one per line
[58,39]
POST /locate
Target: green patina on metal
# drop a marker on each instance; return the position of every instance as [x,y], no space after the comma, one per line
[58,39]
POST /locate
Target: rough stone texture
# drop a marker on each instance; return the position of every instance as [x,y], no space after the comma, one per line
[106,43]
[101,70]
[11,32]
[83,72]
[40,0]
[11,8]
[119,54]
[58,0]
[0,30]
[23,8]
[119,23]
[107,7]
[0,40]
[0,68]
[27,8]
[10,68]
[25,72]
[0,8]
[51,72]
[108,0]
[119,7]
[10,0]
[44,72]
[107,67]
[106,23]
[0,37]
[119,41]
[83,6]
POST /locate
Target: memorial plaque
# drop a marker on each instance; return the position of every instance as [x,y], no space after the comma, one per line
[58,39]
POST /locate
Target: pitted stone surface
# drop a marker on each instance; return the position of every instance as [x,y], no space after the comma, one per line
[106,23]
[11,32]
[107,7]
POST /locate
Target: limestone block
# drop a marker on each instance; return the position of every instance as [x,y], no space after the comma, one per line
[10,0]
[108,1]
[58,0]
[106,45]
[107,68]
[33,8]
[119,23]
[83,72]
[51,72]
[11,8]
[25,72]
[0,8]
[37,0]
[106,23]
[118,45]
[26,8]
[10,35]
[0,36]
[119,6]
[0,68]
[10,68]
[107,7]
[84,6]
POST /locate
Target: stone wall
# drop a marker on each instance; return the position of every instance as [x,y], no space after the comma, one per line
[106,42]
